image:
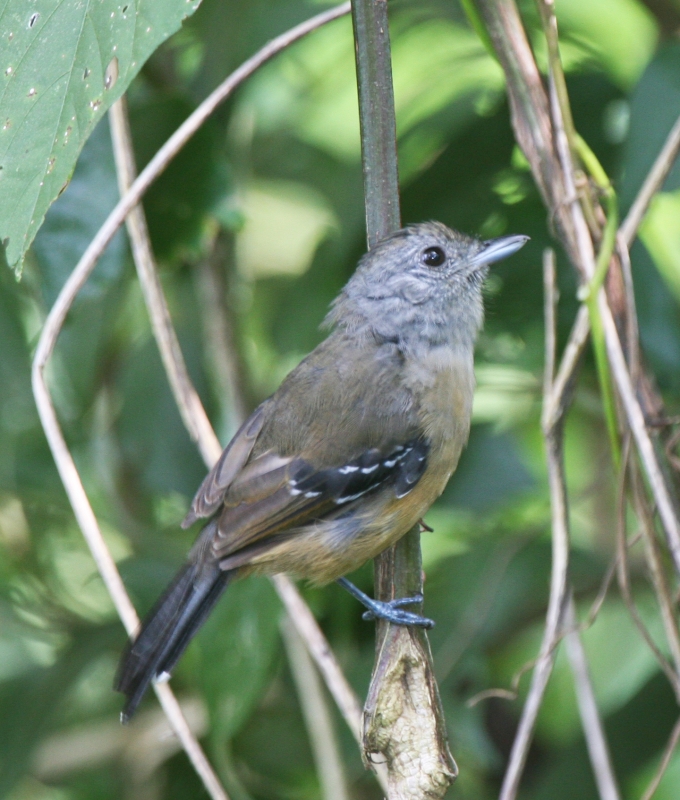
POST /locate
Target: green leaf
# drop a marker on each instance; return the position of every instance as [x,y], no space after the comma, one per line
[237,648]
[33,705]
[660,235]
[618,35]
[654,108]
[64,62]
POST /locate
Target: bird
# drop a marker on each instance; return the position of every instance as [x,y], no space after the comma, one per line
[352,449]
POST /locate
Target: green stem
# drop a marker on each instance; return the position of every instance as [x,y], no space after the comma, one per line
[590,292]
[398,573]
[549,22]
[377,118]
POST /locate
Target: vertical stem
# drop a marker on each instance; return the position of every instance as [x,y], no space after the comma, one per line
[403,719]
[396,574]
[377,118]
[593,730]
[381,196]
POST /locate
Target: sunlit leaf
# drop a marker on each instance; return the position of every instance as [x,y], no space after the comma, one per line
[619,35]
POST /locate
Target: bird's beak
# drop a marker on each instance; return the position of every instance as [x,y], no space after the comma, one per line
[497,249]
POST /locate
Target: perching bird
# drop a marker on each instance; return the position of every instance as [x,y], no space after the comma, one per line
[350,452]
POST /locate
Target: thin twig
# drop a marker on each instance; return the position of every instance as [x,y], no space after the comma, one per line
[632,331]
[601,596]
[554,409]
[656,567]
[319,723]
[636,421]
[624,578]
[571,358]
[598,749]
[652,184]
[665,760]
[317,643]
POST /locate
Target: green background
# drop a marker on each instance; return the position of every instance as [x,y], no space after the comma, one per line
[270,194]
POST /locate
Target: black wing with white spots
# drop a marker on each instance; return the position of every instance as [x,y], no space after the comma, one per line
[402,466]
[299,494]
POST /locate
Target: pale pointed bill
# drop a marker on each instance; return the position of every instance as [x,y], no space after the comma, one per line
[498,249]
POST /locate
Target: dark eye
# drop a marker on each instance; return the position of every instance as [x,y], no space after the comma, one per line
[433,257]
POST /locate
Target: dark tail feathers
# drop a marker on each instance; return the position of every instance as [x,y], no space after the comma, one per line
[168,629]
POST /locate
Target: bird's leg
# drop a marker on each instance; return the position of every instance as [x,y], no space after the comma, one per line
[390,611]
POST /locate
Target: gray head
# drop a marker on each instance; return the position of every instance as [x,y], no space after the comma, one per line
[421,286]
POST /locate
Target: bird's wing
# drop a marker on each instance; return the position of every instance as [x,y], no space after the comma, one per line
[211,492]
[331,434]
[295,494]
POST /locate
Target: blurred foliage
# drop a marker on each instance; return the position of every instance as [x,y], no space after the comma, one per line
[276,176]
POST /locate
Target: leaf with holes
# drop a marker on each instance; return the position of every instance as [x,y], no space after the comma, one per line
[62,64]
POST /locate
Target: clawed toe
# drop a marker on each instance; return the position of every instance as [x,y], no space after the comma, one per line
[391,611]
[398,617]
[400,602]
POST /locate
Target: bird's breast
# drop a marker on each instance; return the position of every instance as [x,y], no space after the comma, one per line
[442,383]
[442,387]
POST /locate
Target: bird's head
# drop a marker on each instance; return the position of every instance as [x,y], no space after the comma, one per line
[422,284]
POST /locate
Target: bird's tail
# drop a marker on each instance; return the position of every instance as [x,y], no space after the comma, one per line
[168,629]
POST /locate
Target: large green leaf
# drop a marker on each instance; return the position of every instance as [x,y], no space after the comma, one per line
[64,62]
[237,649]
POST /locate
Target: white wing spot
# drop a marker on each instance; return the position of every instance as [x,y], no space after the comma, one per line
[347,470]
[350,497]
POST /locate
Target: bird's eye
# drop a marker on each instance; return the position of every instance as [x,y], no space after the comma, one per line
[433,257]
